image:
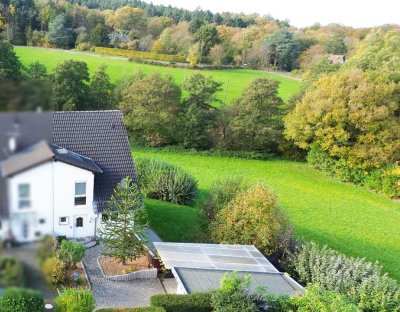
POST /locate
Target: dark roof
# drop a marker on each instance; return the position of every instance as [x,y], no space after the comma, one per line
[97,140]
[204,280]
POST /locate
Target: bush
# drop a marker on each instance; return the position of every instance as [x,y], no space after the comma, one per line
[21,300]
[11,272]
[73,251]
[46,248]
[160,180]
[75,300]
[199,302]
[144,309]
[85,46]
[362,281]
[252,218]
[385,181]
[54,270]
[141,55]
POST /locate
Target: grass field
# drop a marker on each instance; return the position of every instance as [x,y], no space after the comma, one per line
[348,218]
[234,80]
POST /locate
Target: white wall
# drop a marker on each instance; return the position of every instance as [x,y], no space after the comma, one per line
[65,177]
[52,187]
[40,179]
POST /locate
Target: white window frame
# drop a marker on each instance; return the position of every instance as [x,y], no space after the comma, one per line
[63,223]
[24,198]
[80,196]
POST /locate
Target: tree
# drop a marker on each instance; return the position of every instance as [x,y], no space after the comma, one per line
[36,71]
[73,251]
[336,44]
[101,90]
[194,55]
[198,111]
[70,88]
[150,105]
[124,222]
[252,218]
[256,118]
[217,55]
[207,36]
[351,115]
[58,34]
[130,20]
[98,36]
[234,295]
[10,66]
[282,50]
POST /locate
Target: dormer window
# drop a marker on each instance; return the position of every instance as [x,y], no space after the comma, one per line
[80,193]
[24,196]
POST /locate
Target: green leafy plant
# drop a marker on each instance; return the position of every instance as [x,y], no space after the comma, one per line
[199,302]
[16,299]
[73,251]
[75,300]
[11,272]
[54,270]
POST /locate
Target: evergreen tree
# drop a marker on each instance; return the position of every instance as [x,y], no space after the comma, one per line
[10,66]
[58,33]
[101,90]
[124,222]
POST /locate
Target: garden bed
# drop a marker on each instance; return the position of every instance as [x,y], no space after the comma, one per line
[111,265]
[82,281]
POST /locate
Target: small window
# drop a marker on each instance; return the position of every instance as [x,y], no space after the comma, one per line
[24,196]
[80,193]
[79,222]
[42,221]
[25,230]
[38,234]
[63,220]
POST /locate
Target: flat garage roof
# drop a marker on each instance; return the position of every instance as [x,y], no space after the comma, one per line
[203,280]
[213,256]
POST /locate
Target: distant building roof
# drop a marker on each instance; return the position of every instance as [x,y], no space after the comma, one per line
[337,58]
[200,267]
[203,280]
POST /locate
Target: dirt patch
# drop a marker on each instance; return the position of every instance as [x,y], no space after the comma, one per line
[111,265]
[81,282]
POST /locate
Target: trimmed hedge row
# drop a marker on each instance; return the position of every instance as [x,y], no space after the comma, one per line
[144,309]
[199,302]
[21,300]
[141,55]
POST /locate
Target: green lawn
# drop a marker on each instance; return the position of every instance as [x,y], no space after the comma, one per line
[234,80]
[349,219]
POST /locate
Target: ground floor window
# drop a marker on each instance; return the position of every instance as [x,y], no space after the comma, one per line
[63,220]
[79,222]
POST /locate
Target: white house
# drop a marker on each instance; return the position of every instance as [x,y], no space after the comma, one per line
[58,171]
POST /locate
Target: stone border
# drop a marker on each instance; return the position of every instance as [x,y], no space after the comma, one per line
[86,276]
[141,274]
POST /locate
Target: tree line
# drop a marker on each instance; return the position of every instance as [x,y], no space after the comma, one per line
[200,36]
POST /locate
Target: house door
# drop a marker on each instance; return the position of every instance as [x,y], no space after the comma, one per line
[79,226]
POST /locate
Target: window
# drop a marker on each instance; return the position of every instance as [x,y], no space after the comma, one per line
[63,220]
[80,193]
[24,196]
[25,230]
[79,222]
[42,221]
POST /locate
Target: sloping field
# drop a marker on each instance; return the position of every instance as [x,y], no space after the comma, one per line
[234,80]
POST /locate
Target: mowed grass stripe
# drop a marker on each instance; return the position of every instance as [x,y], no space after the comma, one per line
[234,80]
[348,218]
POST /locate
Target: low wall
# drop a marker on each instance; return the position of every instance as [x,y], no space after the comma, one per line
[142,274]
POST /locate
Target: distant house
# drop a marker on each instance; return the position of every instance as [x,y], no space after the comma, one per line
[337,58]
[58,170]
[200,267]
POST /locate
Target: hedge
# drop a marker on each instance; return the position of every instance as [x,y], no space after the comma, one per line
[144,309]
[197,302]
[16,299]
[75,300]
[141,55]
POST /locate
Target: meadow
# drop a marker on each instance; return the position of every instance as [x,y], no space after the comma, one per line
[234,80]
[345,217]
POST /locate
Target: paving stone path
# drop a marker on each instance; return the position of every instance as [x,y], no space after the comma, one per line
[112,294]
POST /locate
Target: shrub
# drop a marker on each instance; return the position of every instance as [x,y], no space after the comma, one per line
[234,295]
[75,300]
[385,181]
[315,299]
[46,248]
[73,251]
[85,46]
[21,300]
[199,302]
[362,281]
[141,55]
[144,309]
[252,218]
[161,180]
[54,270]
[11,272]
